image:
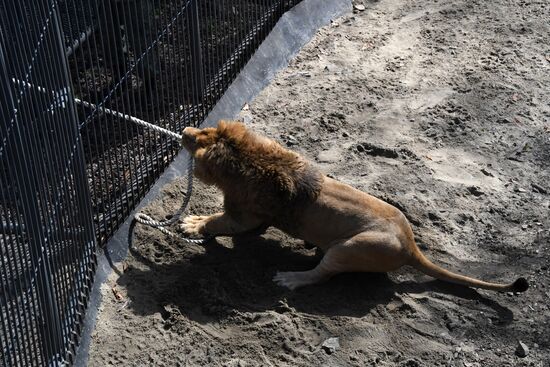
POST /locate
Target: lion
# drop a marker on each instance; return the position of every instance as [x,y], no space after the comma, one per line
[265,184]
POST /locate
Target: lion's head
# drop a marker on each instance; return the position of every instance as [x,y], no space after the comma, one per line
[236,159]
[211,148]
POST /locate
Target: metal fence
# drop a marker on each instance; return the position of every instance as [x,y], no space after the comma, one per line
[74,74]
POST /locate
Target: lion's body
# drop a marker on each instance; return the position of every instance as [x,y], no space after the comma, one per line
[265,184]
[341,212]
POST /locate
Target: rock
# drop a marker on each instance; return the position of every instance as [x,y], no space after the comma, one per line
[504,121]
[410,363]
[451,325]
[375,150]
[486,173]
[290,140]
[359,7]
[476,191]
[522,350]
[538,188]
[331,345]
[451,322]
[283,307]
[329,156]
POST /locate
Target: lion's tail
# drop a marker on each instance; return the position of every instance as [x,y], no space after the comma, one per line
[420,262]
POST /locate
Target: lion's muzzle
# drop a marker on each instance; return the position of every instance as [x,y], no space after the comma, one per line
[189,138]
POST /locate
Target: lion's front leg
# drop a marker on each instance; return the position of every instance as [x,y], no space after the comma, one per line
[217,224]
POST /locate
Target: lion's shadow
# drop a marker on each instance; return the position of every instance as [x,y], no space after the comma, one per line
[221,280]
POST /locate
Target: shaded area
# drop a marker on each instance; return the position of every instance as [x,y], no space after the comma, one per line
[222,280]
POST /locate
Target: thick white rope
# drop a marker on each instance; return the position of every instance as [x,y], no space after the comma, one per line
[62,97]
[130,118]
[160,225]
[146,219]
[139,217]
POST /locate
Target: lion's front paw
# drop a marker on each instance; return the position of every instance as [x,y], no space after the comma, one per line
[194,225]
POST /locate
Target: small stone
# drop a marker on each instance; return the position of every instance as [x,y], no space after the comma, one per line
[522,350]
[476,191]
[359,7]
[451,325]
[291,140]
[538,188]
[486,173]
[331,345]
[329,156]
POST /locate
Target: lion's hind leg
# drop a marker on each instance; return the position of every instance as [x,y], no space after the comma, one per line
[297,279]
[365,252]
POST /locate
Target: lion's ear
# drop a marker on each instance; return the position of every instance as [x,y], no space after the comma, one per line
[231,129]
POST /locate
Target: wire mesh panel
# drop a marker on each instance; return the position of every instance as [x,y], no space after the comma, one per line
[165,62]
[47,240]
[74,75]
[132,66]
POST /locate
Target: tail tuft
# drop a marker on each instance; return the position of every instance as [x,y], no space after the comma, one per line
[520,285]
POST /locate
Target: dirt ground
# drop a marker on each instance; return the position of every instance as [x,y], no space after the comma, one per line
[442,109]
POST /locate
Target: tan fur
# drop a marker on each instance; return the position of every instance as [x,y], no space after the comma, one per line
[265,184]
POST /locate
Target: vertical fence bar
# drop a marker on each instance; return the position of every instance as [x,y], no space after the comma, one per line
[26,180]
[196,50]
[85,259]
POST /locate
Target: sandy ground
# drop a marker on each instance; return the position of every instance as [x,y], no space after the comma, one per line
[440,108]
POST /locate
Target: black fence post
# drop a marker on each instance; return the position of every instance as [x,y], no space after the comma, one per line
[86,238]
[197,66]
